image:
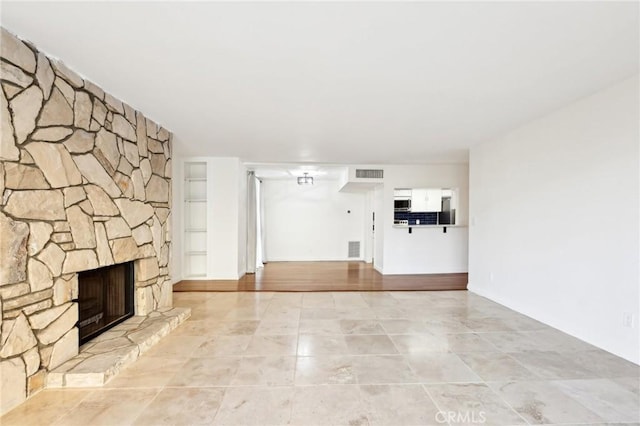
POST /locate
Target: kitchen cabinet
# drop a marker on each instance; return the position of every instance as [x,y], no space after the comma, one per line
[426,200]
[195,219]
[404,194]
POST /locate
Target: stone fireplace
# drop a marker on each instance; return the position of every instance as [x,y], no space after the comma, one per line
[85,182]
[105,299]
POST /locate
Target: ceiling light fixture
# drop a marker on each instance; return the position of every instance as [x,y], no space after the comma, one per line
[305,180]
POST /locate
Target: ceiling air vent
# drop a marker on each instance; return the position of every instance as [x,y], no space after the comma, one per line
[354,249]
[370,173]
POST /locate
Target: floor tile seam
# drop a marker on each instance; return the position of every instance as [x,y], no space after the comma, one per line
[101,389]
[487,341]
[290,411]
[636,380]
[358,382]
[295,364]
[230,386]
[534,374]
[352,354]
[583,366]
[560,390]
[114,390]
[506,403]
[493,344]
[434,402]
[522,365]
[500,398]
[451,353]
[615,409]
[362,405]
[147,405]
[592,374]
[69,410]
[394,344]
[422,383]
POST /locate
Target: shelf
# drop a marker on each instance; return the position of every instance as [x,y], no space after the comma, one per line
[195,225]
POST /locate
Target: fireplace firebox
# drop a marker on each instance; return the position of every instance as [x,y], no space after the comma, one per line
[105,299]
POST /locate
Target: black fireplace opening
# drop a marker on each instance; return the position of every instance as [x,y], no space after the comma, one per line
[105,299]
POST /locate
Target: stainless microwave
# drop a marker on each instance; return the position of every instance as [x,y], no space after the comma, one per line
[402,205]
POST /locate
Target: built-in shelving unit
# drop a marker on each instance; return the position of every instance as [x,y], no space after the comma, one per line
[195,219]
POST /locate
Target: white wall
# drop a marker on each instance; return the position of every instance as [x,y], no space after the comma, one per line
[310,222]
[369,208]
[378,243]
[177,201]
[554,213]
[242,220]
[225,218]
[425,250]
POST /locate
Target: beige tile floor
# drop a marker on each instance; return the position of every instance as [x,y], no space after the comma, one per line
[387,358]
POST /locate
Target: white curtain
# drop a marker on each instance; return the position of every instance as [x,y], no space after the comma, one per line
[254,224]
[259,225]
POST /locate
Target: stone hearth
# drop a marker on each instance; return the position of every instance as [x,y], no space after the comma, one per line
[85,182]
[103,357]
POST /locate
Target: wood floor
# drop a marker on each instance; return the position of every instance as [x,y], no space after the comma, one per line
[326,276]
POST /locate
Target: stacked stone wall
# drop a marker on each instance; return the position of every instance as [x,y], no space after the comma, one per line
[85,181]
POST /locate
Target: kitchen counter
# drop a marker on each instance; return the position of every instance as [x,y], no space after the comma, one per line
[429,226]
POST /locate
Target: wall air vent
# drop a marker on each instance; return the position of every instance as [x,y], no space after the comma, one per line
[354,249]
[370,173]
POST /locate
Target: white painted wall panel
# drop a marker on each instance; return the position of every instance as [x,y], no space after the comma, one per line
[554,214]
[310,222]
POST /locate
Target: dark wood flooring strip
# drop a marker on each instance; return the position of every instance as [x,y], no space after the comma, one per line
[327,276]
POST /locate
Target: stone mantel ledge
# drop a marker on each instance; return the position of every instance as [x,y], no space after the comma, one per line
[105,356]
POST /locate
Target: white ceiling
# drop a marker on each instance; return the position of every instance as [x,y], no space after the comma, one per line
[292,171]
[353,82]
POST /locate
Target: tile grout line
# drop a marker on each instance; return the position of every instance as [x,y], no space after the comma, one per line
[496,394]
[424,387]
[148,404]
[295,364]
